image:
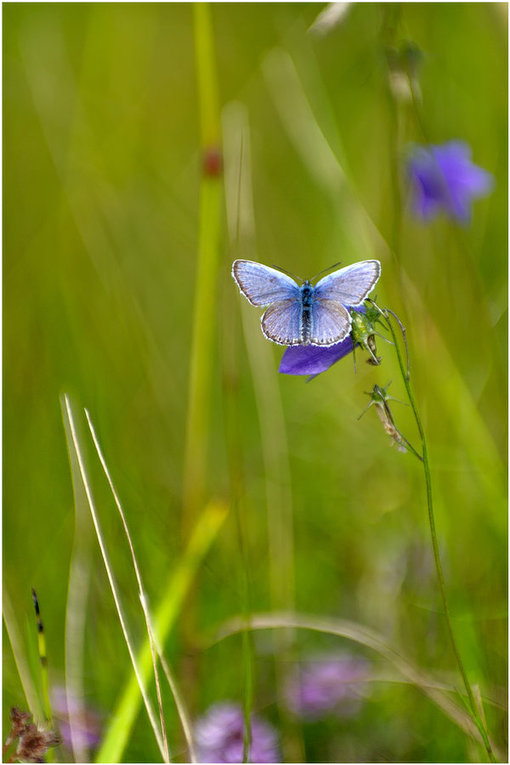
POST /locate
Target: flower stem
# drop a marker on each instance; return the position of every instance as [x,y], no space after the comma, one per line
[435,547]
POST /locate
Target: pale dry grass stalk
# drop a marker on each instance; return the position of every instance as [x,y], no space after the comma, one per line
[166,613]
[156,651]
[76,607]
[88,491]
[138,579]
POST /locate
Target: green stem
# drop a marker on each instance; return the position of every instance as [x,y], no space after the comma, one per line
[208,263]
[203,340]
[435,547]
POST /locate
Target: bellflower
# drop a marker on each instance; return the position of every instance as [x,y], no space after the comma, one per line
[312,359]
[219,736]
[443,178]
[329,684]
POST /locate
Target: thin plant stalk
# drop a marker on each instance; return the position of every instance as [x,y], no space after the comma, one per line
[27,683]
[166,614]
[203,345]
[435,546]
[138,579]
[392,19]
[205,305]
[74,443]
[179,702]
[75,615]
[153,640]
[43,660]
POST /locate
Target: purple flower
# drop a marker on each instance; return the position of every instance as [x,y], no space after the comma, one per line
[328,684]
[86,722]
[312,359]
[219,736]
[444,178]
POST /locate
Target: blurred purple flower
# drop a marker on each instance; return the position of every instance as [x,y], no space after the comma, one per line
[86,722]
[328,684]
[444,178]
[219,736]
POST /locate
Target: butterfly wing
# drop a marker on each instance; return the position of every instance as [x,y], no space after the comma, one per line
[331,322]
[350,285]
[281,322]
[262,285]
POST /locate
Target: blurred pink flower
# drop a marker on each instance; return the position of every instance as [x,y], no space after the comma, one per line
[219,736]
[86,722]
[328,684]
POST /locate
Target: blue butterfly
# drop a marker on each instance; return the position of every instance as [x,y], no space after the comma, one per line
[306,314]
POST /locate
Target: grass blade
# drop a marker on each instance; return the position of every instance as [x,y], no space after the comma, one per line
[76,606]
[16,642]
[138,579]
[181,709]
[370,639]
[75,445]
[166,614]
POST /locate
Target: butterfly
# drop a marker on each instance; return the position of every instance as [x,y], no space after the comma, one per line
[306,314]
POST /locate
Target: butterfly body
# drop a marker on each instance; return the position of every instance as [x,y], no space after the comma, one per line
[307,314]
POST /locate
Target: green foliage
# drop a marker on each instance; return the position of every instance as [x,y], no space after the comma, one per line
[103,225]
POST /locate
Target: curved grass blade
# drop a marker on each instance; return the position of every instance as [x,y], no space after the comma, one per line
[370,639]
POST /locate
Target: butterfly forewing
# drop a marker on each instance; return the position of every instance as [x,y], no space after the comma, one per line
[350,285]
[262,285]
[281,322]
[330,324]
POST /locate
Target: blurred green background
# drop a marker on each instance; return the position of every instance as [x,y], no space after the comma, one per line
[102,174]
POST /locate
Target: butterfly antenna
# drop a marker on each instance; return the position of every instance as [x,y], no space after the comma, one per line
[289,273]
[326,269]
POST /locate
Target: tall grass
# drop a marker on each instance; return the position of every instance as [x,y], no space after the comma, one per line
[252,502]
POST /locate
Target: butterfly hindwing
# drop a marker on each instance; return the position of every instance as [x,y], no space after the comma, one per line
[262,285]
[350,285]
[281,322]
[331,323]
